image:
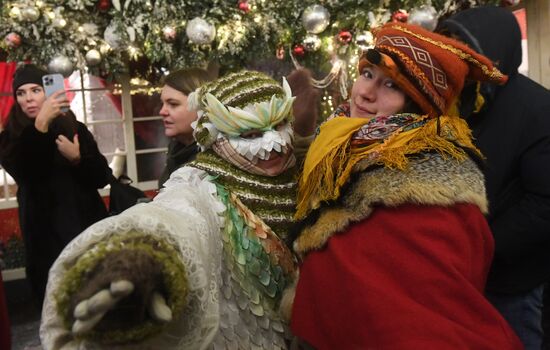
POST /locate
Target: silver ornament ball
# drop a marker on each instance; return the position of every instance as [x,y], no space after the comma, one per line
[364,40]
[93,58]
[424,16]
[315,19]
[312,42]
[61,64]
[199,31]
[30,14]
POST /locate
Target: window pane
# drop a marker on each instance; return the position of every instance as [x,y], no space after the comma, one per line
[149,134]
[144,105]
[150,166]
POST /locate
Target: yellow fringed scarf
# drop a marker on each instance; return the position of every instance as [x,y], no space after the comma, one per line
[332,157]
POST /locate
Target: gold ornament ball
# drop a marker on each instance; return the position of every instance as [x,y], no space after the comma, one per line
[93,58]
[30,14]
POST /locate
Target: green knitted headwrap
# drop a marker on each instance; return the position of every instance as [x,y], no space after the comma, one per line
[239,102]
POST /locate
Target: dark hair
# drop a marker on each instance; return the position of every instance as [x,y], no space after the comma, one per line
[187,80]
[411,106]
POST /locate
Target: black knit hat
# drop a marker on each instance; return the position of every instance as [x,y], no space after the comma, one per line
[27,74]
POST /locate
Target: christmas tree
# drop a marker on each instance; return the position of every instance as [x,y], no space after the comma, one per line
[108,37]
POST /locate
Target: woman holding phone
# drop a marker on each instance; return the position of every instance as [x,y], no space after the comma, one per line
[58,168]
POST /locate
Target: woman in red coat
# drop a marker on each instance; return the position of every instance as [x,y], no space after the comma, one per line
[394,243]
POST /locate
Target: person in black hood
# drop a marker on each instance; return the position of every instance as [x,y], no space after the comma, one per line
[58,168]
[512,129]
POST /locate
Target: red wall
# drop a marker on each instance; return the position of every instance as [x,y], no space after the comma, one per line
[9,220]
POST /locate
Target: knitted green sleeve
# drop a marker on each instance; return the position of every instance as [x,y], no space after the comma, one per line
[90,274]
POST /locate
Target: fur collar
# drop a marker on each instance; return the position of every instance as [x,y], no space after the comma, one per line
[430,179]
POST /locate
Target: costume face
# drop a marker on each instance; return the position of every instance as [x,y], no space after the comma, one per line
[176,117]
[375,94]
[256,138]
[269,150]
[30,98]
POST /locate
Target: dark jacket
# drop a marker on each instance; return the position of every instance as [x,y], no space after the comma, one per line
[57,200]
[178,155]
[513,132]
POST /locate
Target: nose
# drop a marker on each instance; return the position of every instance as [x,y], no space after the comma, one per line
[367,90]
[28,96]
[163,111]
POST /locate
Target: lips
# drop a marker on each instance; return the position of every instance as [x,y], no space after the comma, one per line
[363,110]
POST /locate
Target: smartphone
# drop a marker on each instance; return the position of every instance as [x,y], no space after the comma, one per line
[54,83]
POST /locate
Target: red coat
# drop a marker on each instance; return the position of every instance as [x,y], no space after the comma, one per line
[410,277]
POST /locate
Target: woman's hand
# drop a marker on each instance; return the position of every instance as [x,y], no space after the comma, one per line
[68,149]
[51,109]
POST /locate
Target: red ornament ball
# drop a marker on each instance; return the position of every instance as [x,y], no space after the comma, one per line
[345,37]
[13,40]
[400,16]
[244,6]
[298,50]
[104,5]
[169,34]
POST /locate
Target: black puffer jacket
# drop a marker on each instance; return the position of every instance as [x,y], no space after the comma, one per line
[513,132]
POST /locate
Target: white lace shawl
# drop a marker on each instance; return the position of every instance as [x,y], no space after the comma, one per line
[186,213]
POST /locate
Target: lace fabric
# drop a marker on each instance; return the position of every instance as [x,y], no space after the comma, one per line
[188,214]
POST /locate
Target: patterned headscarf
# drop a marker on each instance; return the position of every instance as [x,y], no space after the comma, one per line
[428,67]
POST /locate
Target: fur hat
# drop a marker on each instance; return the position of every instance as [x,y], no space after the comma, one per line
[428,67]
[27,74]
[239,102]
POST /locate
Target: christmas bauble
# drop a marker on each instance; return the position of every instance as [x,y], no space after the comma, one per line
[424,16]
[169,34]
[104,49]
[61,64]
[93,58]
[315,19]
[30,14]
[104,5]
[344,37]
[199,31]
[312,42]
[244,6]
[59,22]
[112,36]
[364,40]
[400,16]
[13,40]
[298,50]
